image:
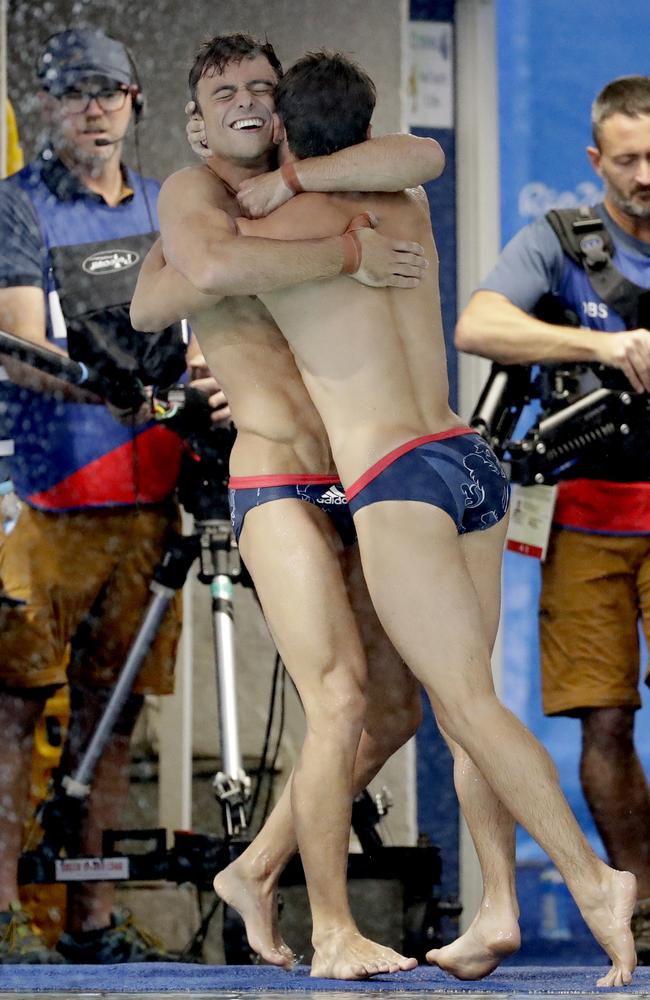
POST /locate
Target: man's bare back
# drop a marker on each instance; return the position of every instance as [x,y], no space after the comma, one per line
[373,360]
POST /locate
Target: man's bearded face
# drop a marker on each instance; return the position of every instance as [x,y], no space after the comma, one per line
[624,163]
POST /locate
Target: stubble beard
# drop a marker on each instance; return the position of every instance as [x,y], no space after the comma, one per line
[89,162]
[626,204]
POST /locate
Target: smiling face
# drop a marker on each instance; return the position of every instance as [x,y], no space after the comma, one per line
[237,105]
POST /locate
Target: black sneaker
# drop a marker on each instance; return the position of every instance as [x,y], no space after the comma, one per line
[122,941]
[21,942]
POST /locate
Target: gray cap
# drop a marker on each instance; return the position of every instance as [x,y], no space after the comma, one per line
[71,55]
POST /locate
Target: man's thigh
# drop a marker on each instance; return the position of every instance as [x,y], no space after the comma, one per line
[390,682]
[47,563]
[424,595]
[292,553]
[588,622]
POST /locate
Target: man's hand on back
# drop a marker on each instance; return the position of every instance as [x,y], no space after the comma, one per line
[388,261]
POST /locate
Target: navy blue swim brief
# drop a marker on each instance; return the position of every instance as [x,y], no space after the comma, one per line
[246,492]
[455,470]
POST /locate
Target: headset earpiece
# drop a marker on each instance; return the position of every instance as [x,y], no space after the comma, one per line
[138,102]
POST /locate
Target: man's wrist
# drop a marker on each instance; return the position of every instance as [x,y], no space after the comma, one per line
[351,253]
[290,178]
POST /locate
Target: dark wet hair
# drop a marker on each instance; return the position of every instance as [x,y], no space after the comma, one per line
[325,102]
[217,52]
[626,95]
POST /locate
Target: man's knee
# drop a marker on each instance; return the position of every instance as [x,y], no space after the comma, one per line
[393,722]
[21,708]
[337,702]
[608,730]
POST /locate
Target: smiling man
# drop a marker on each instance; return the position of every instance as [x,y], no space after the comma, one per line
[289,513]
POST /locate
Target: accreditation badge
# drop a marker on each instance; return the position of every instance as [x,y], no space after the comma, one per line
[531,517]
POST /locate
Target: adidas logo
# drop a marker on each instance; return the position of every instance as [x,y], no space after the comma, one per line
[333,495]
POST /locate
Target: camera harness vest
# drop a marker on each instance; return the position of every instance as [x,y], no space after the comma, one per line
[584,238]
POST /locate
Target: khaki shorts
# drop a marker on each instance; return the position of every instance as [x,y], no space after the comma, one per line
[594,588]
[85,577]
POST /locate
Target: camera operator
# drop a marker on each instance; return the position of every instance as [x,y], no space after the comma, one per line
[595,581]
[96,492]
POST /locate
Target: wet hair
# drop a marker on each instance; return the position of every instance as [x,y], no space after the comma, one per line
[216,53]
[626,95]
[325,102]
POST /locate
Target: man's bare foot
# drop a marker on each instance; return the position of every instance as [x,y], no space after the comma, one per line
[608,918]
[349,955]
[476,953]
[256,901]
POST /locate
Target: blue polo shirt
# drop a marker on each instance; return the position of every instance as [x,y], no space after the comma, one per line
[71,456]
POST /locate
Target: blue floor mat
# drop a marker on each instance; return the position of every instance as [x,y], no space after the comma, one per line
[166,977]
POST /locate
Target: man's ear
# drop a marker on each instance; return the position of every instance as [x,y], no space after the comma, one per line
[278,135]
[594,155]
[369,132]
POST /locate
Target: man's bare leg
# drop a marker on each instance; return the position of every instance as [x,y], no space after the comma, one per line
[494,932]
[306,605]
[429,607]
[393,716]
[616,789]
[250,883]
[90,904]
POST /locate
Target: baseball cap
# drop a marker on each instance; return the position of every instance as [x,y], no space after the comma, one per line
[71,55]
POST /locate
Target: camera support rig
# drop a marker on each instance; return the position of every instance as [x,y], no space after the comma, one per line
[591,419]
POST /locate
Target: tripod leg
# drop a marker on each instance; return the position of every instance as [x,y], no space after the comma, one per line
[220,567]
[79,782]
[231,783]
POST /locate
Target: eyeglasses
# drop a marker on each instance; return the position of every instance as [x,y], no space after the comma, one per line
[77,101]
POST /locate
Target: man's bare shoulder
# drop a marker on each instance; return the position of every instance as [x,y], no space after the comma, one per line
[196,182]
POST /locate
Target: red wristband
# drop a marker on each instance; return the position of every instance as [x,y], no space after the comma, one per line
[290,178]
[351,253]
[362,221]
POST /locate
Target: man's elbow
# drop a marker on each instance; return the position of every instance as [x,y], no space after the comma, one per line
[435,159]
[467,336]
[213,276]
[142,320]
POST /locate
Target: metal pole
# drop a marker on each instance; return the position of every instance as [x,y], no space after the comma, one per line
[218,558]
[77,785]
[224,637]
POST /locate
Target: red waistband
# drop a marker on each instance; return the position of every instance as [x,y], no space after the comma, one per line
[402,449]
[253,482]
